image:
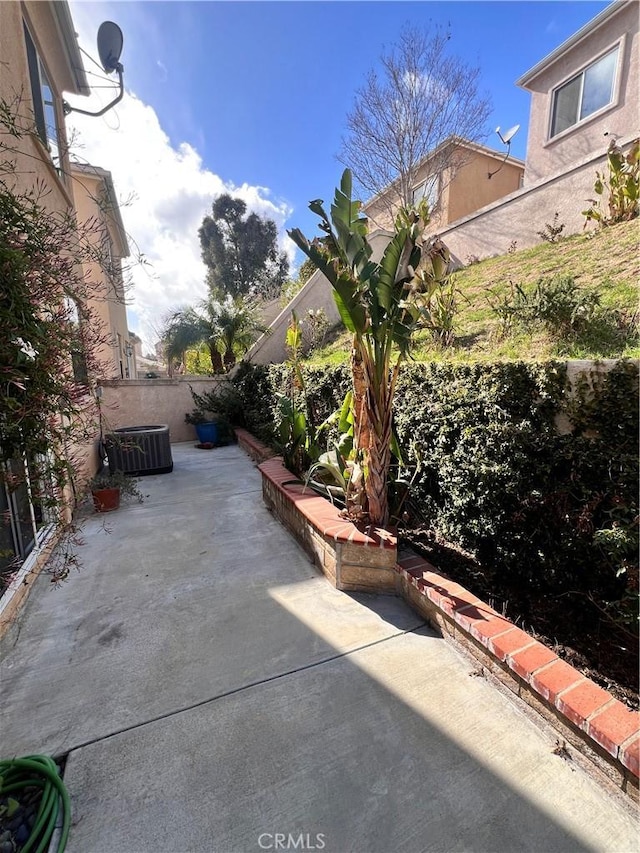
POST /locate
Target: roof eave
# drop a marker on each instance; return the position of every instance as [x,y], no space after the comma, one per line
[592,25]
[459,142]
[69,39]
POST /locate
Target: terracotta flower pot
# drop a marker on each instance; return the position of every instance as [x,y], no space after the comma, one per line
[105,500]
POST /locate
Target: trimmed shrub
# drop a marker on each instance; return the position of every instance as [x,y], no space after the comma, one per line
[545,510]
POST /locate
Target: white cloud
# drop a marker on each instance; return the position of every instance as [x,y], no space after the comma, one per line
[169,190]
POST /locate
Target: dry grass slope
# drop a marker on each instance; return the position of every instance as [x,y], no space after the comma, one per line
[606,260]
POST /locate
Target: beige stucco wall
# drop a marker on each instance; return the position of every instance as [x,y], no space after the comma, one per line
[471,188]
[33,163]
[154,401]
[521,215]
[464,187]
[107,302]
[546,156]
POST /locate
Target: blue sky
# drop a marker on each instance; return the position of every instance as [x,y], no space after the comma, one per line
[251,97]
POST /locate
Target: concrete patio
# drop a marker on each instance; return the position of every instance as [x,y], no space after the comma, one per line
[214,693]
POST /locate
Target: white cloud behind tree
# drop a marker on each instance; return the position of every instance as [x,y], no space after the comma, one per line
[165,191]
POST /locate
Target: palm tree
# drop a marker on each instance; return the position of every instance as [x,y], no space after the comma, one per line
[237,322]
[382,304]
[227,326]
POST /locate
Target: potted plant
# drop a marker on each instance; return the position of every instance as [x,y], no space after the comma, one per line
[206,428]
[108,486]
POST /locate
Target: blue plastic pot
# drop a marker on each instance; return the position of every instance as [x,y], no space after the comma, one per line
[207,433]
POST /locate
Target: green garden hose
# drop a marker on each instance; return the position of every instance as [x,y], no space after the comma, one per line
[39,771]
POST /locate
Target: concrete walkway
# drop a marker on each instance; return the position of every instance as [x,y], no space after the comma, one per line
[213,693]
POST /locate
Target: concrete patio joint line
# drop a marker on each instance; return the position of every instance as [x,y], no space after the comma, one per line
[241,689]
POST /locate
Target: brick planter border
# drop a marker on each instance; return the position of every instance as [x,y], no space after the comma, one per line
[352,558]
[365,559]
[587,717]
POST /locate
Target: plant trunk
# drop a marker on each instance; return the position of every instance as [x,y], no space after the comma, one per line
[372,433]
[379,453]
[361,423]
[216,359]
[229,359]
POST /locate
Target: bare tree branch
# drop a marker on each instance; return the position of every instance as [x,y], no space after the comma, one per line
[422,97]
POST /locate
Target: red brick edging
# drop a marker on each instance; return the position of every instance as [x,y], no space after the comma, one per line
[588,716]
[534,671]
[252,447]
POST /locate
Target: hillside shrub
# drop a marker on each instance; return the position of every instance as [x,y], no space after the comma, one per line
[570,314]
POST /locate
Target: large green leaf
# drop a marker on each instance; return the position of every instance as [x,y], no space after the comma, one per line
[388,271]
[351,312]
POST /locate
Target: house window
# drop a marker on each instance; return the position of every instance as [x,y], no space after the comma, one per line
[585,94]
[43,101]
[22,515]
[427,189]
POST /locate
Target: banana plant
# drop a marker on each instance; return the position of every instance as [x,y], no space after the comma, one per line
[381,303]
[298,436]
[622,184]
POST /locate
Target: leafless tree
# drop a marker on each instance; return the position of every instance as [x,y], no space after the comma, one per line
[421,98]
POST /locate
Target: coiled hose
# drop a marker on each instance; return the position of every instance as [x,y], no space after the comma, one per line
[39,771]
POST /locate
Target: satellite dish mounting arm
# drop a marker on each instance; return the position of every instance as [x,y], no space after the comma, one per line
[502,162]
[67,108]
[506,140]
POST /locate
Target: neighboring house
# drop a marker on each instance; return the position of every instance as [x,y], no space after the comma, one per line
[457,178]
[584,92]
[97,207]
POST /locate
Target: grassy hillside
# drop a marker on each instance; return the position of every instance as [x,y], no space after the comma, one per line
[607,261]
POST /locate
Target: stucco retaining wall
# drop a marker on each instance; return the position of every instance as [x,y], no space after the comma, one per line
[136,402]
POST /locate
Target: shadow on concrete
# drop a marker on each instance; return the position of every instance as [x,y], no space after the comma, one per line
[212,691]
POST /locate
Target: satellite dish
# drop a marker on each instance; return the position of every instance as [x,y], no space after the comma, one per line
[110,41]
[506,140]
[508,136]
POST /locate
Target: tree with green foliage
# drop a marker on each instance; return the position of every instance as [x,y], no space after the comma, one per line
[228,327]
[382,304]
[240,251]
[307,269]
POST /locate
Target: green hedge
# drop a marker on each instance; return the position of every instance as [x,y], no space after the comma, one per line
[544,509]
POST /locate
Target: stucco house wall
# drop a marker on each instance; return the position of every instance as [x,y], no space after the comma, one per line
[462,185]
[471,188]
[97,209]
[63,65]
[518,217]
[52,34]
[617,24]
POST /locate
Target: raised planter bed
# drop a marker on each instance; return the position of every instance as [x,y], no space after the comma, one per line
[351,558]
[587,717]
